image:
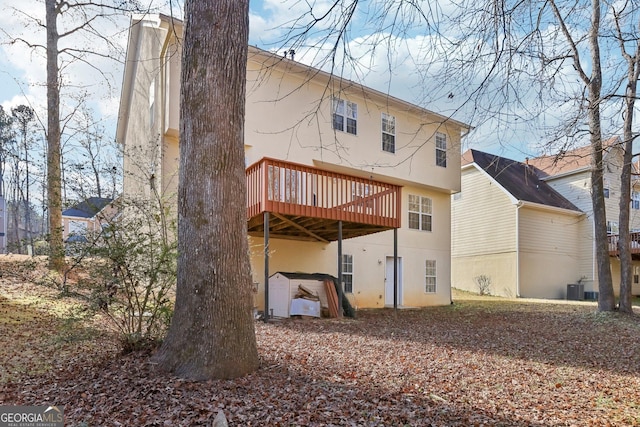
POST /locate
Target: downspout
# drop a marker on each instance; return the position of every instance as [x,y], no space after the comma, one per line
[518,206]
[162,103]
[593,256]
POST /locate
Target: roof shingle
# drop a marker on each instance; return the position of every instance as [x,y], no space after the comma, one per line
[519,179]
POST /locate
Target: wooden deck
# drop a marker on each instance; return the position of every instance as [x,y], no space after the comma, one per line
[635,245]
[306,203]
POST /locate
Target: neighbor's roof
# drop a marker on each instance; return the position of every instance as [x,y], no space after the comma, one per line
[568,161]
[88,208]
[520,180]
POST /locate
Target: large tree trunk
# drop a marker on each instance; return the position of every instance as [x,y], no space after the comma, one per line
[54,206]
[212,332]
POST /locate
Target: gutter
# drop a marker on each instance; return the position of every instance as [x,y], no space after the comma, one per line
[518,206]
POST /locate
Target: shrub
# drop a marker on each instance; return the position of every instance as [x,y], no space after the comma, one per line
[131,273]
[484,284]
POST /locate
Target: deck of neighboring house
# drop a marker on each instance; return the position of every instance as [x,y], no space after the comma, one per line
[635,245]
[307,203]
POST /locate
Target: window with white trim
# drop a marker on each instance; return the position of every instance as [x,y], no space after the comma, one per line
[612,227]
[152,101]
[345,116]
[420,211]
[347,272]
[635,200]
[388,133]
[605,189]
[430,276]
[636,274]
[441,149]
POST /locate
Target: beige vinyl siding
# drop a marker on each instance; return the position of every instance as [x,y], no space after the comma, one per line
[483,237]
[298,96]
[577,189]
[612,169]
[549,252]
[615,272]
[484,213]
[141,153]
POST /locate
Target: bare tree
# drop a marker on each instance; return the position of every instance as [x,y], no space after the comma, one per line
[54,179]
[593,85]
[507,63]
[82,23]
[212,331]
[91,163]
[627,36]
[5,138]
[23,116]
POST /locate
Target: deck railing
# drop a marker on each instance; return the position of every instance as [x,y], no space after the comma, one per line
[293,189]
[615,238]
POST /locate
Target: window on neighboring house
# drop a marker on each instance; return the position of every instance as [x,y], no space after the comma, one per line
[441,149]
[420,209]
[347,272]
[636,274]
[152,101]
[606,189]
[430,276]
[635,200]
[612,227]
[388,133]
[345,116]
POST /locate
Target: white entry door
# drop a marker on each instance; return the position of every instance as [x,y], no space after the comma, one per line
[388,282]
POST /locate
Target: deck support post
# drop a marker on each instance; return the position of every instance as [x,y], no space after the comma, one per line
[266,267]
[340,268]
[395,268]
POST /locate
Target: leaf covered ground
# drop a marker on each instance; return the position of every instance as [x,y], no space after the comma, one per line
[478,362]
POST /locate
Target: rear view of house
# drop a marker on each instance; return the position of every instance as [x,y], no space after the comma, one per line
[341,179]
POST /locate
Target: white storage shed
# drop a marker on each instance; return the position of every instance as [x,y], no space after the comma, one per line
[283,287]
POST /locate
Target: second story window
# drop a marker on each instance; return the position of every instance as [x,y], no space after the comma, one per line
[152,102]
[345,116]
[441,149]
[388,133]
[635,200]
[420,209]
[606,188]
